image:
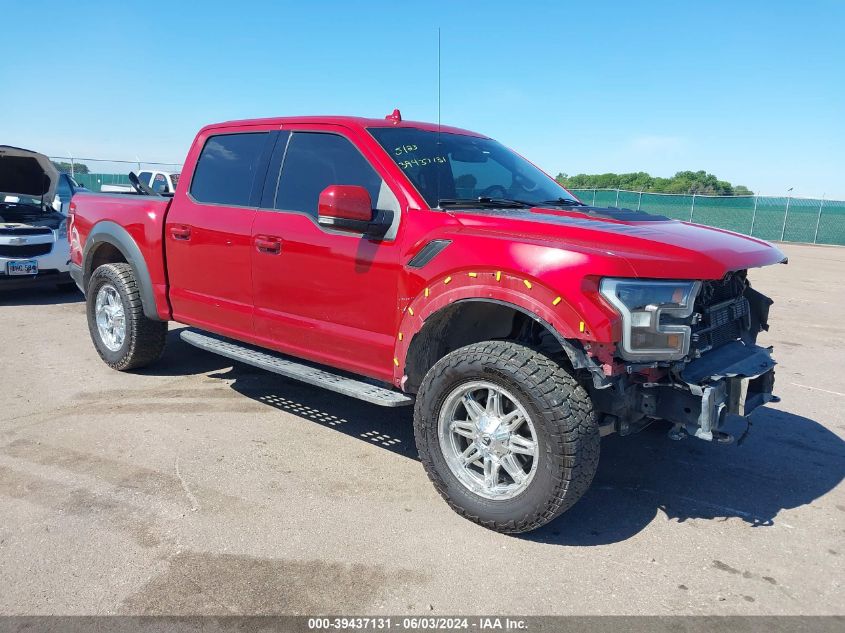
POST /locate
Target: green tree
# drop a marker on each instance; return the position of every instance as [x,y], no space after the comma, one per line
[699,182]
[78,168]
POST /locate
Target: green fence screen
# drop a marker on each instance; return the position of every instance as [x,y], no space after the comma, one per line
[95,181]
[769,218]
[807,220]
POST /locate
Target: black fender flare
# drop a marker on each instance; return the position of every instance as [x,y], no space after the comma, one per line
[107,232]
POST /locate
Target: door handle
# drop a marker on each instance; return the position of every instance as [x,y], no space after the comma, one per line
[180,232]
[268,244]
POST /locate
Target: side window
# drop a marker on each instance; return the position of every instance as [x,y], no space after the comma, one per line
[63,188]
[226,168]
[160,184]
[64,192]
[315,160]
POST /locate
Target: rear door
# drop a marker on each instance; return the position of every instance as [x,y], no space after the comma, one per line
[208,230]
[324,294]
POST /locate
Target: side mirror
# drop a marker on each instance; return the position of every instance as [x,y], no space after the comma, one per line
[349,208]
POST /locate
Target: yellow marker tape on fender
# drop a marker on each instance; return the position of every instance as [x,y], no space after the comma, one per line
[427,291]
[498,275]
[400,336]
[581,326]
[473,275]
[527,283]
[557,301]
[411,311]
[396,362]
[447,280]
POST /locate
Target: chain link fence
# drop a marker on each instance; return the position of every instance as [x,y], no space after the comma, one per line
[783,219]
[93,173]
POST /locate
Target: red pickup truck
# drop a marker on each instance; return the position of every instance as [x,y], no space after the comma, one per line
[408,263]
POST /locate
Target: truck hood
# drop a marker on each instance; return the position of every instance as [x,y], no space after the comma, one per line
[27,173]
[654,246]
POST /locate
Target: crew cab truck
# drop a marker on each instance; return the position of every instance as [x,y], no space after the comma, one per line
[407,263]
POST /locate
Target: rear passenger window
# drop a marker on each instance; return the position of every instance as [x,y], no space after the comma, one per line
[315,160]
[226,168]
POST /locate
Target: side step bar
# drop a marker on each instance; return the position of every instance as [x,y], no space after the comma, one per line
[297,371]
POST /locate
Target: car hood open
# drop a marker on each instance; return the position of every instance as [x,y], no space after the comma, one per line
[27,173]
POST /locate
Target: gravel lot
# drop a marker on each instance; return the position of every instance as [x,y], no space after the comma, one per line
[196,487]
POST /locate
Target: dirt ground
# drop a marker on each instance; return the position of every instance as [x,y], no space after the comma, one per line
[196,487]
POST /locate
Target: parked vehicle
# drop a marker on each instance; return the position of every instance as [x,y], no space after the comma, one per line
[34,198]
[161,182]
[407,263]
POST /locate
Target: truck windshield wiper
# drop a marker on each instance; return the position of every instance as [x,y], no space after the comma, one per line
[562,202]
[482,201]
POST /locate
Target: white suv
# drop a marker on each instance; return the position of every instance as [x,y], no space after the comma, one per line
[34,198]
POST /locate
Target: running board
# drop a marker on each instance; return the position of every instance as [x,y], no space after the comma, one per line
[297,371]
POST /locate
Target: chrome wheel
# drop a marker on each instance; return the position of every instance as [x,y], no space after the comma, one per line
[111,320]
[488,440]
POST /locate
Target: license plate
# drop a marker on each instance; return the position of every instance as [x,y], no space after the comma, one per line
[22,267]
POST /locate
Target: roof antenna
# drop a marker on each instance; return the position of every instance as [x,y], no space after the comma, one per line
[438,85]
[438,168]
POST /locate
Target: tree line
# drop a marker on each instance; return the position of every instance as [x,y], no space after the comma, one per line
[78,168]
[699,182]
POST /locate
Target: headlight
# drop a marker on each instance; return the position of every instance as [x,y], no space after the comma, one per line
[650,311]
[61,232]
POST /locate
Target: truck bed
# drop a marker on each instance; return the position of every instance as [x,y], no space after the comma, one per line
[141,217]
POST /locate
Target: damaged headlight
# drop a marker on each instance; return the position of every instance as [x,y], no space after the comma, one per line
[652,314]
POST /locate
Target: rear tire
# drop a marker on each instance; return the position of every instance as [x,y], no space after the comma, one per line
[537,469]
[122,335]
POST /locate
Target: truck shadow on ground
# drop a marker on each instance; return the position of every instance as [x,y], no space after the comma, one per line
[787,460]
[39,296]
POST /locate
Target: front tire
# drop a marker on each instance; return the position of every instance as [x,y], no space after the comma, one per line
[507,436]
[122,335]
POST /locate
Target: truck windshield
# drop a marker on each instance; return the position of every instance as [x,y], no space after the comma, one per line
[456,169]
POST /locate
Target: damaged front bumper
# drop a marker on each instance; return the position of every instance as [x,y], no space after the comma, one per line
[732,380]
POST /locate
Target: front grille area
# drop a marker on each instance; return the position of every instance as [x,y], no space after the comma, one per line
[25,231]
[724,311]
[25,250]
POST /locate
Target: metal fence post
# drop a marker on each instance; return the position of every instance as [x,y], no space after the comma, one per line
[753,216]
[640,201]
[594,197]
[785,216]
[818,220]
[692,207]
[71,165]
[617,198]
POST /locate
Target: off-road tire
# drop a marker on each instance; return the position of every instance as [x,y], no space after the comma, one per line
[145,338]
[565,424]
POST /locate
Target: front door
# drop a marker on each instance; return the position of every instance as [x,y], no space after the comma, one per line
[208,232]
[323,294]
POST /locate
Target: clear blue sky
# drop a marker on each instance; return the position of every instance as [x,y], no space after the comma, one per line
[751,91]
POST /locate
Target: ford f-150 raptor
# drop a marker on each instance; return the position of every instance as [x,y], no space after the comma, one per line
[402,262]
